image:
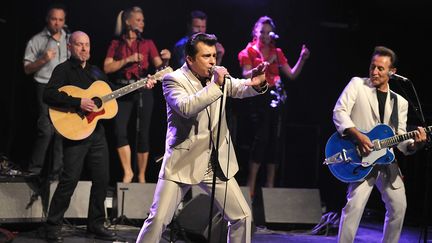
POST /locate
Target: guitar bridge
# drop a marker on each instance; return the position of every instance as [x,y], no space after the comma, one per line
[337,158]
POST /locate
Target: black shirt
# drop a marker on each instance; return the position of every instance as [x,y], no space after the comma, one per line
[70,72]
[382,97]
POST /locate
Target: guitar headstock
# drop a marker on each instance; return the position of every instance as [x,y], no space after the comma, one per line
[159,74]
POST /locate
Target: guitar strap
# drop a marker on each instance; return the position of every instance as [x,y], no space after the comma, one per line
[394,117]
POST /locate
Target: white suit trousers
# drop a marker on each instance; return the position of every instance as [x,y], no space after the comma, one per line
[358,195]
[169,194]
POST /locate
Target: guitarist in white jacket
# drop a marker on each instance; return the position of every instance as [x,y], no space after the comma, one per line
[365,103]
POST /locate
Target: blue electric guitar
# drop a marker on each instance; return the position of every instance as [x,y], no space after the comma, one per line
[345,162]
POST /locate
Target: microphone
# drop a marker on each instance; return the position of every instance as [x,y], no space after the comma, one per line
[212,70]
[395,76]
[66,29]
[137,32]
[273,35]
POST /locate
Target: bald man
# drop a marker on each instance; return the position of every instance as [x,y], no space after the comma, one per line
[91,152]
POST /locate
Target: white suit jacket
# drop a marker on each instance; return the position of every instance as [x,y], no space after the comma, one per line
[192,116]
[357,107]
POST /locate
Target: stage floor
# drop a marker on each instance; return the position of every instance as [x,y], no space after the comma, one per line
[369,232]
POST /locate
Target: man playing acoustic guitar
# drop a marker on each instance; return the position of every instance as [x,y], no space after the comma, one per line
[365,103]
[91,151]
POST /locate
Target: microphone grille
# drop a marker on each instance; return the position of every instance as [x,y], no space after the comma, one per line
[274,35]
[212,69]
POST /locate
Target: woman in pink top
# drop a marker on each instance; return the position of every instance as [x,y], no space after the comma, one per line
[128,59]
[267,108]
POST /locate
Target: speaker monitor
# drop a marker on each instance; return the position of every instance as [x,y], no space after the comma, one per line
[78,207]
[291,205]
[193,220]
[134,199]
[18,202]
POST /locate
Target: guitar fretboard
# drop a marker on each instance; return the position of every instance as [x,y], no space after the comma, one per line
[125,90]
[389,142]
[134,86]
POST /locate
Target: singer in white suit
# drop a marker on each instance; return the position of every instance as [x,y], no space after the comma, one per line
[193,96]
[364,103]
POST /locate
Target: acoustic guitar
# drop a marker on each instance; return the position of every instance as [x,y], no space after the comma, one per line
[76,124]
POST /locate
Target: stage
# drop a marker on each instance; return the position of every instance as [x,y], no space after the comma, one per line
[369,232]
[294,224]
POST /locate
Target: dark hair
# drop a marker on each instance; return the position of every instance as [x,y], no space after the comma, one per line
[263,20]
[197,14]
[384,51]
[208,39]
[55,6]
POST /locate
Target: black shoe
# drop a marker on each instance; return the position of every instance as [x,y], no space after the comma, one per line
[53,235]
[102,233]
[30,174]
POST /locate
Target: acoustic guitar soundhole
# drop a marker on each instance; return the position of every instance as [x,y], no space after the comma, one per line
[97,101]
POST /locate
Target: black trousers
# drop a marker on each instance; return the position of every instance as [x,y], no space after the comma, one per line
[91,153]
[45,136]
[141,104]
[269,125]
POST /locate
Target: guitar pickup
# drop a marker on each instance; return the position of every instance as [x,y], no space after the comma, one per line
[337,158]
[376,144]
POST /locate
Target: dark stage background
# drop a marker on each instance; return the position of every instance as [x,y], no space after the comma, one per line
[340,35]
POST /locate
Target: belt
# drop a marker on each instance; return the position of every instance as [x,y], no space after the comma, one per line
[125,81]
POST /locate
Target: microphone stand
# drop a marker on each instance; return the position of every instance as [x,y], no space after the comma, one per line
[223,98]
[139,107]
[417,109]
[122,219]
[426,194]
[419,112]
